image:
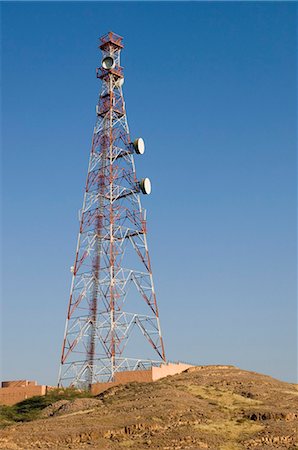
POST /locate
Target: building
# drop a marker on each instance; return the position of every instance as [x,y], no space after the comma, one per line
[12,392]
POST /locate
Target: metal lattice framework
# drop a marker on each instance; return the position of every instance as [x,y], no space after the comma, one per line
[112,236]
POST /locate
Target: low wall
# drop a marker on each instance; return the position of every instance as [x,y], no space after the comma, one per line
[164,370]
[18,383]
[13,392]
[141,376]
[98,388]
[12,395]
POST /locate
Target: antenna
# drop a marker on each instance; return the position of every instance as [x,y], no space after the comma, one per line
[112,296]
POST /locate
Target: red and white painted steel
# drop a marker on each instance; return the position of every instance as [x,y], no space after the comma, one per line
[112,262]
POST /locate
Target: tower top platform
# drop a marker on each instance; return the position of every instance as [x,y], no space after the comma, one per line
[111,38]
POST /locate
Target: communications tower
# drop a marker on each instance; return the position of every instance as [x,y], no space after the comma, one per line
[112,296]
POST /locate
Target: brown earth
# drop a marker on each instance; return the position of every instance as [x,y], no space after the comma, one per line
[212,407]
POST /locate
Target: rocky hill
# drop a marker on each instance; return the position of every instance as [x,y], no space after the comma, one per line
[211,407]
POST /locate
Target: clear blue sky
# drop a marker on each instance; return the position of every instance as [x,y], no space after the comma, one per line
[212,89]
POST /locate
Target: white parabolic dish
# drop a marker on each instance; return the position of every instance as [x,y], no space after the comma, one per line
[139,146]
[145,185]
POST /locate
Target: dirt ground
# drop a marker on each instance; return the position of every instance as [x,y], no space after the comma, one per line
[211,407]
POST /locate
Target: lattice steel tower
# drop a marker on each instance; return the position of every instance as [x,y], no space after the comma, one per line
[112,268]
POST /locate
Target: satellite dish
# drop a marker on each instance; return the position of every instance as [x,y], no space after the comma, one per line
[139,146]
[108,62]
[145,186]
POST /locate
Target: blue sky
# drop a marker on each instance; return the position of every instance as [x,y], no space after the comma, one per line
[211,87]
